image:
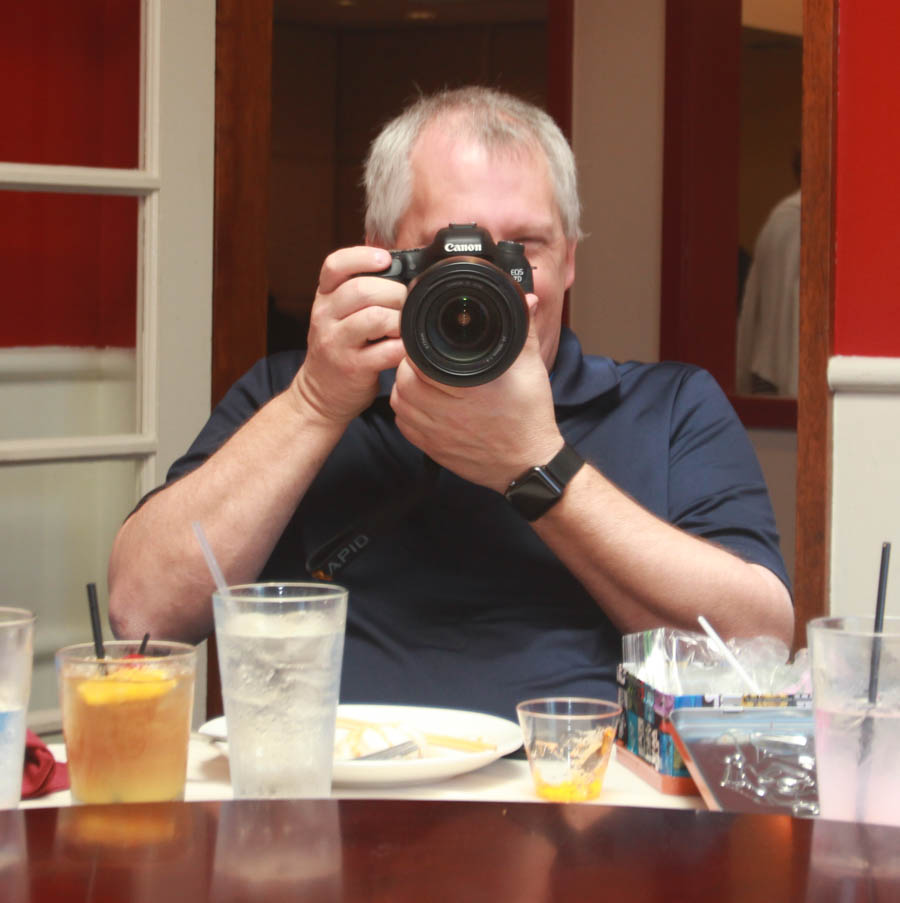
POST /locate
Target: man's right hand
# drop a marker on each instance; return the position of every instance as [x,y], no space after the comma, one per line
[246,492]
[354,334]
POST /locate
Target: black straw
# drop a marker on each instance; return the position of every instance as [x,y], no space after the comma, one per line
[879,622]
[96,629]
[143,647]
[868,727]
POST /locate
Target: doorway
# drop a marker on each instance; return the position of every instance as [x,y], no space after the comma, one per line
[339,73]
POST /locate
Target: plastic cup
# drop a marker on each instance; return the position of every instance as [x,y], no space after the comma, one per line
[568,741]
[280,649]
[127,720]
[16,654]
[857,738]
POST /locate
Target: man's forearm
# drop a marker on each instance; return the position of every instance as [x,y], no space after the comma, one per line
[244,496]
[646,573]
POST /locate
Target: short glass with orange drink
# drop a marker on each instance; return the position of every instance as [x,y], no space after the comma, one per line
[127,720]
[568,741]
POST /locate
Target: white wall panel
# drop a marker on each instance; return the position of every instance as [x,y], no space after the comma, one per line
[866,481]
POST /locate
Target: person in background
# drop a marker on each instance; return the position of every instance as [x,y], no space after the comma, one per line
[576,498]
[767,335]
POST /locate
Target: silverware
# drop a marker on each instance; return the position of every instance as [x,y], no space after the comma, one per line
[392,752]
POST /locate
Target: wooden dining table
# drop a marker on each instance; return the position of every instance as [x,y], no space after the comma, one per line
[430,850]
[478,836]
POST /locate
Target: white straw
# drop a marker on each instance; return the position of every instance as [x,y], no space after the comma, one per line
[728,655]
[211,562]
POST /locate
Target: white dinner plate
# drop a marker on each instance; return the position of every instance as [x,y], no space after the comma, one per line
[505,737]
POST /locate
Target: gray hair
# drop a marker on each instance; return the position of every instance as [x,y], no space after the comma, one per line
[494,119]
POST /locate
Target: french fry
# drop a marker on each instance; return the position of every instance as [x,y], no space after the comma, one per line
[460,744]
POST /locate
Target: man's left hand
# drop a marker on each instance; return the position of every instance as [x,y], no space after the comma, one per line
[486,434]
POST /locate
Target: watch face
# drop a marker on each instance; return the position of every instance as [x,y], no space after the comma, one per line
[539,489]
[534,493]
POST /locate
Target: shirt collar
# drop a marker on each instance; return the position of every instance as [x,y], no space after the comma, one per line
[574,380]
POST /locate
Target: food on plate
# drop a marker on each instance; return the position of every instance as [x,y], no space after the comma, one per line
[355,738]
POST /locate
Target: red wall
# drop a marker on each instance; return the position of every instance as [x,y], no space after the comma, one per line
[69,95]
[867,265]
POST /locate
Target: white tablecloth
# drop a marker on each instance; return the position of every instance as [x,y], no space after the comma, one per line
[506,780]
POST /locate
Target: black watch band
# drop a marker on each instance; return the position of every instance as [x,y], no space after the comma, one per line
[538,489]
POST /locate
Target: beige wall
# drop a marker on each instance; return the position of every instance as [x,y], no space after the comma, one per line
[618,86]
[617,119]
[774,15]
[771,99]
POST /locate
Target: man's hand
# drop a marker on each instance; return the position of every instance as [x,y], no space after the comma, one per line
[485,434]
[354,334]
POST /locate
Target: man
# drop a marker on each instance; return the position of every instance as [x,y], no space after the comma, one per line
[768,325]
[461,601]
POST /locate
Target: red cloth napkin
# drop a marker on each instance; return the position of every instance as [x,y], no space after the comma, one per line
[42,773]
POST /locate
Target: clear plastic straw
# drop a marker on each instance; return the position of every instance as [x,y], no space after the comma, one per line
[211,562]
[728,655]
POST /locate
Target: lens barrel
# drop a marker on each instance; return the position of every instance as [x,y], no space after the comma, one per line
[464,321]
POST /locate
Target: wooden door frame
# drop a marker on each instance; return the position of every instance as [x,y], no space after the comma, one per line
[700,238]
[814,425]
[241,216]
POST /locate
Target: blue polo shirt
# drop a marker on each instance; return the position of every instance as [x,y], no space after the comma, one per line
[460,603]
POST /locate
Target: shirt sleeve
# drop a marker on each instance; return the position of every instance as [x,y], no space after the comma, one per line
[266,379]
[716,487]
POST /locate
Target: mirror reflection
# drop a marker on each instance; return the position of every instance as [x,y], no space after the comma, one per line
[769,213]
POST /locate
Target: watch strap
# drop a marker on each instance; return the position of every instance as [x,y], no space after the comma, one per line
[564,465]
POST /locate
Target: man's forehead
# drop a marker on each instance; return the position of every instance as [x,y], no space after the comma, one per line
[453,133]
[455,178]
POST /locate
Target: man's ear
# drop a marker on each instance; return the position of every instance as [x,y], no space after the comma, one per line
[570,262]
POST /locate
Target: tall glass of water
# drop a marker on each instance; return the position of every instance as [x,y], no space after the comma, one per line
[16,654]
[280,649]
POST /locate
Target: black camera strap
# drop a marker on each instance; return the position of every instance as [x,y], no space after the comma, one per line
[333,556]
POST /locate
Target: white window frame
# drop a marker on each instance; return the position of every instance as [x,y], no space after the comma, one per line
[173,182]
[175,187]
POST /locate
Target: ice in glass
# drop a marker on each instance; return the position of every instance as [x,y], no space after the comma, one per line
[280,650]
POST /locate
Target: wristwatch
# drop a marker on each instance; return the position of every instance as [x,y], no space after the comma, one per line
[538,489]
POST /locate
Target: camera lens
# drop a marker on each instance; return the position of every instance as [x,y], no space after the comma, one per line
[464,328]
[464,321]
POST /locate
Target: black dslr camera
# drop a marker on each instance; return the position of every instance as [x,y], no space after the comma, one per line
[465,319]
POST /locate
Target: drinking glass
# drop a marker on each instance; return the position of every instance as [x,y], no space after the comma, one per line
[856,698]
[127,720]
[16,653]
[280,649]
[568,741]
